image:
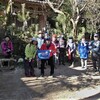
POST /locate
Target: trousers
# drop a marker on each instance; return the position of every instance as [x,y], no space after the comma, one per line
[50,62]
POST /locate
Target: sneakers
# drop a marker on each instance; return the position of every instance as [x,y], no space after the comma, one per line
[63,64]
[95,70]
[40,67]
[42,75]
[51,76]
[84,68]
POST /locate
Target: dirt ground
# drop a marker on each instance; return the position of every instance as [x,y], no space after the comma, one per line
[67,84]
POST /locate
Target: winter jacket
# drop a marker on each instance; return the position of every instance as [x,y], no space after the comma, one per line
[62,43]
[95,48]
[6,47]
[56,43]
[71,47]
[40,42]
[83,49]
[51,48]
[30,51]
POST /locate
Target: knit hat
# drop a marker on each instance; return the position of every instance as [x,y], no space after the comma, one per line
[96,35]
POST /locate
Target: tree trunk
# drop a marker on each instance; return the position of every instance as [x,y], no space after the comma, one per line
[24,25]
[74,30]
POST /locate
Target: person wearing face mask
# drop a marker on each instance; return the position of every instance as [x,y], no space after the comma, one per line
[7,48]
[48,45]
[56,43]
[95,48]
[71,50]
[30,56]
[62,50]
[83,49]
[40,39]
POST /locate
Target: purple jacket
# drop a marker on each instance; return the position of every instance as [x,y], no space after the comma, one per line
[6,47]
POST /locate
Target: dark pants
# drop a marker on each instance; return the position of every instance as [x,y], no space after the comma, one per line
[96,61]
[29,70]
[62,54]
[7,56]
[50,62]
[72,60]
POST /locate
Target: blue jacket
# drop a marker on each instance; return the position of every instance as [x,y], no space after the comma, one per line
[83,49]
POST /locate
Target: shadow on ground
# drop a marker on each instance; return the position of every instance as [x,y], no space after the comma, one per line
[14,86]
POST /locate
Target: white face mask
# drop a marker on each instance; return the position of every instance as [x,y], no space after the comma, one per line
[95,38]
[7,39]
[39,35]
[83,40]
[70,40]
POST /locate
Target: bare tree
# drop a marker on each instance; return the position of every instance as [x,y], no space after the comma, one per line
[58,5]
[74,17]
[76,14]
[93,13]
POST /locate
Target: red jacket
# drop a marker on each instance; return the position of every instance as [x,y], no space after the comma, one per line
[51,48]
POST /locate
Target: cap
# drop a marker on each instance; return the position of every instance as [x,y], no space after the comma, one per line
[70,37]
[34,39]
[48,38]
[40,32]
[96,35]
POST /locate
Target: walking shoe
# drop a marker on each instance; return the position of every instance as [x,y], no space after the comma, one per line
[28,75]
[85,67]
[95,70]
[63,64]
[51,76]
[42,75]
[40,67]
[33,75]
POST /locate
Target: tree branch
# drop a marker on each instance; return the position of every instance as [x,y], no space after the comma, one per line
[60,4]
[83,7]
[77,19]
[54,9]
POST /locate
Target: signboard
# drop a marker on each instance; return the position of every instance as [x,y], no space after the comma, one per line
[43,54]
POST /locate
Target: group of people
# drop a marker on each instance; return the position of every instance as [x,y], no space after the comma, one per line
[52,50]
[58,48]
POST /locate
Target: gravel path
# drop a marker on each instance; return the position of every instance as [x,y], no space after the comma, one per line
[68,84]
